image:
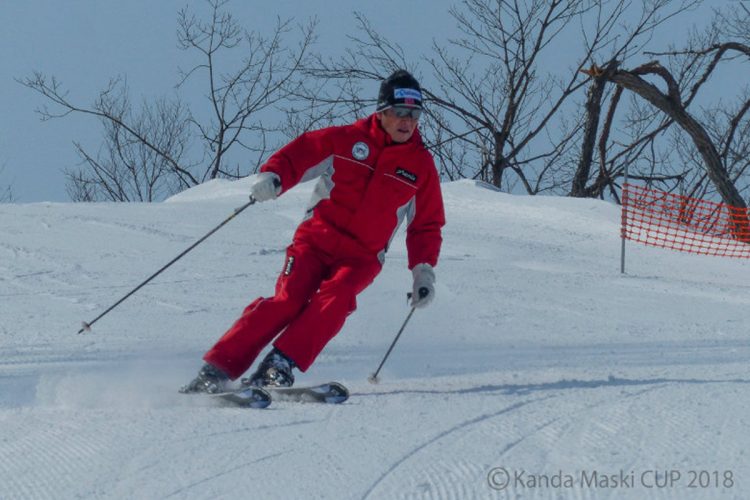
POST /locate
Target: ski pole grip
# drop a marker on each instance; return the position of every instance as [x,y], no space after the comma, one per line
[423,292]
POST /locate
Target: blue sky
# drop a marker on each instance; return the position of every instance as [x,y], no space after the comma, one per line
[86,42]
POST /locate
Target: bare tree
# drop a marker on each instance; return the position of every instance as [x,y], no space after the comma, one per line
[497,112]
[726,120]
[733,22]
[665,136]
[332,91]
[111,106]
[126,169]
[467,111]
[633,34]
[670,103]
[143,158]
[243,101]
[500,99]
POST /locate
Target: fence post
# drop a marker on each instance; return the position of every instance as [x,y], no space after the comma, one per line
[623,223]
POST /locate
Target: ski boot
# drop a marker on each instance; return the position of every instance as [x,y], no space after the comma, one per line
[275,370]
[210,380]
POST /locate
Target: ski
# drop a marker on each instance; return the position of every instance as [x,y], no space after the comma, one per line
[329,393]
[261,397]
[246,397]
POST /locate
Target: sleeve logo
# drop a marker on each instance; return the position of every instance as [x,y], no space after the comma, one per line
[360,151]
[288,266]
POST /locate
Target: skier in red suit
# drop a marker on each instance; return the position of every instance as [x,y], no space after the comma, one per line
[371,175]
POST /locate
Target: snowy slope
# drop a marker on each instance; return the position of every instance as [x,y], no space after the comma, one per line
[537,359]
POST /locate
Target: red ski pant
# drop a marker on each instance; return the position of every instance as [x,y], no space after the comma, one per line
[314,294]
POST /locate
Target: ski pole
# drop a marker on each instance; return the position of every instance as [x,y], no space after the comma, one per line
[373,379]
[87,325]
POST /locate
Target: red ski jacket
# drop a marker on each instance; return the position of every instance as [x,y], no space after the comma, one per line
[367,185]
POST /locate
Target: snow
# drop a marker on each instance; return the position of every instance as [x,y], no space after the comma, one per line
[537,358]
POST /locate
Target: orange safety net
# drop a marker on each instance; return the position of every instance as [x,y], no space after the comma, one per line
[682,223]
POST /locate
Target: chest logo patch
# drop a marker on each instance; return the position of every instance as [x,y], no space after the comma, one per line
[405,174]
[360,151]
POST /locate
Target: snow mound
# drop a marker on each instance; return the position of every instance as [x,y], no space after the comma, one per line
[537,358]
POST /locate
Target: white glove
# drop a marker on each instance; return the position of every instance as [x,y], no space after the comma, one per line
[423,290]
[267,186]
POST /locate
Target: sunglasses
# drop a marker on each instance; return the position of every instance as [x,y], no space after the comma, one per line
[403,112]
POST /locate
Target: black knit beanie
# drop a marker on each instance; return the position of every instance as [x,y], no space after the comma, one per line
[400,89]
